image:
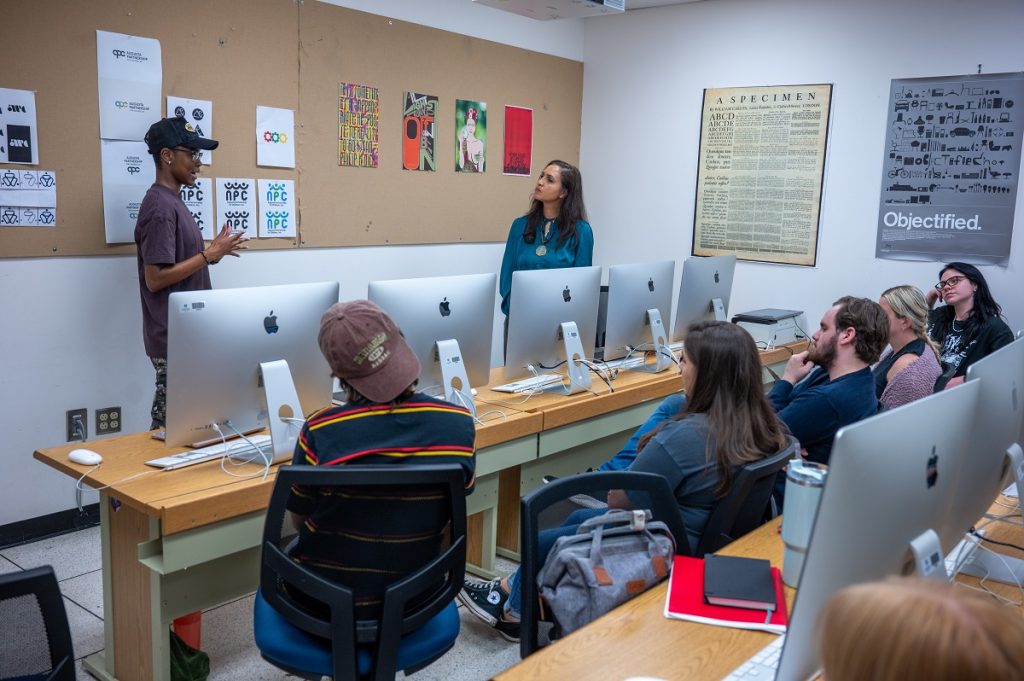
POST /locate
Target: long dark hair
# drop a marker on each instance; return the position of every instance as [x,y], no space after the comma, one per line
[571,212]
[984,307]
[729,392]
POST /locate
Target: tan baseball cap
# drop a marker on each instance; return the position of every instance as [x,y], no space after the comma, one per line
[366,350]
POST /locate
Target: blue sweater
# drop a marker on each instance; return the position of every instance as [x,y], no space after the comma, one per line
[520,255]
[816,408]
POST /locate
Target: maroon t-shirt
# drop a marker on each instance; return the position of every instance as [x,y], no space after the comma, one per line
[165,234]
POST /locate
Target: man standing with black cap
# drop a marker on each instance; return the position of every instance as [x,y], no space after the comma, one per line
[384,422]
[169,243]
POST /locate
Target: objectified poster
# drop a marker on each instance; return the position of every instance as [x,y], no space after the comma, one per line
[471,136]
[950,168]
[28,198]
[198,112]
[277,208]
[128,173]
[236,204]
[130,75]
[419,143]
[199,201]
[19,142]
[275,137]
[358,125]
[760,172]
[518,157]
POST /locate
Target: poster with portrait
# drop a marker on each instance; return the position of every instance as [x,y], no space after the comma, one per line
[198,112]
[518,153]
[28,198]
[277,208]
[275,137]
[236,204]
[128,172]
[419,141]
[760,172]
[470,136]
[358,125]
[950,168]
[199,201]
[129,79]
[19,141]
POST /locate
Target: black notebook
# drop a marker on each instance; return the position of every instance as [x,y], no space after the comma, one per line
[738,582]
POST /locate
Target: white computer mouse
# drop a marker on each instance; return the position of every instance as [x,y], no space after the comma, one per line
[86,457]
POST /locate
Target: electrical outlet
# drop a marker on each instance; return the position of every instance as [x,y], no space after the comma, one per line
[108,420]
[77,425]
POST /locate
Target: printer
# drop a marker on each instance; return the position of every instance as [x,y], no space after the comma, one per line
[771,327]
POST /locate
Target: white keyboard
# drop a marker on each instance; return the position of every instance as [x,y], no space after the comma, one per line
[625,362]
[233,448]
[762,665]
[529,384]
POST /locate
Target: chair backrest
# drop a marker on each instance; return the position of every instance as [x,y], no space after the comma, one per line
[646,490]
[34,627]
[408,602]
[743,508]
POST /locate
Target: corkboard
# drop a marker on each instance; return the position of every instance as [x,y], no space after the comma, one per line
[282,53]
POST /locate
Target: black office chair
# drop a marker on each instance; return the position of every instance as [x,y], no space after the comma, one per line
[743,508]
[645,490]
[320,634]
[36,639]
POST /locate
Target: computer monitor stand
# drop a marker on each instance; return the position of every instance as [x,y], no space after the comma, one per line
[988,565]
[282,404]
[928,558]
[579,373]
[453,375]
[718,309]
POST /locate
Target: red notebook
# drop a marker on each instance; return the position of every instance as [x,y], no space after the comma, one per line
[685,601]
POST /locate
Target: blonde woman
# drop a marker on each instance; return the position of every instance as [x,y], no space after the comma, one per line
[908,370]
[904,628]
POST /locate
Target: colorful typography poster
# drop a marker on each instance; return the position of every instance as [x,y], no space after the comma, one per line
[471,136]
[950,168]
[518,156]
[358,125]
[419,120]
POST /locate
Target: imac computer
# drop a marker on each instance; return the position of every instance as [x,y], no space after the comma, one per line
[553,319]
[216,343]
[996,459]
[449,323]
[884,505]
[639,299]
[704,291]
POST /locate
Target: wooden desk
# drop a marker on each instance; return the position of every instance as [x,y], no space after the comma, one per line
[174,542]
[636,639]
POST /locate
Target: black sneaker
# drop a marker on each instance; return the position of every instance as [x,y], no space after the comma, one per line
[508,630]
[486,600]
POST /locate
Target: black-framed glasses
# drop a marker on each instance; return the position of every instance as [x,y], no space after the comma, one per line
[951,282]
[196,154]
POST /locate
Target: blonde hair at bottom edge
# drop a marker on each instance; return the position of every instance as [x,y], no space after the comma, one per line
[907,628]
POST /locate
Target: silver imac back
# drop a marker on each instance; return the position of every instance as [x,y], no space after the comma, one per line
[541,301]
[890,480]
[216,341]
[704,281]
[434,309]
[632,290]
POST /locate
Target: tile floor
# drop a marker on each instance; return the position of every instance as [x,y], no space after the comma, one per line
[227,630]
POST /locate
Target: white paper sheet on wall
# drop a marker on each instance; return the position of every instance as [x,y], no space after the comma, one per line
[277,208]
[236,203]
[19,141]
[130,73]
[198,112]
[275,137]
[199,201]
[28,198]
[128,172]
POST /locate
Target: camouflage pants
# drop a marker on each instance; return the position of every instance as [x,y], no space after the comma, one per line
[158,412]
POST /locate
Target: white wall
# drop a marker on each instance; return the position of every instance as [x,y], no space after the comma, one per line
[71,327]
[644,75]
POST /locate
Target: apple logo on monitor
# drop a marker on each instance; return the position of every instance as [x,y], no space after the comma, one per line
[933,469]
[717,278]
[444,307]
[270,323]
[650,284]
[566,295]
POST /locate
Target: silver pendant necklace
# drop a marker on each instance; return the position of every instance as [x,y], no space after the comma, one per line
[955,328]
[542,249]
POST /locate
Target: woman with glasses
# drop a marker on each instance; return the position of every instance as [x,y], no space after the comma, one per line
[969,325]
[908,370]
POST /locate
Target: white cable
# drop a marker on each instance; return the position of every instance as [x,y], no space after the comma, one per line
[79,488]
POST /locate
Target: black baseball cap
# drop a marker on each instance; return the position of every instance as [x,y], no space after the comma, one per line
[173,132]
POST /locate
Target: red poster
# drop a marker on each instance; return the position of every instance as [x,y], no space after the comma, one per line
[518,141]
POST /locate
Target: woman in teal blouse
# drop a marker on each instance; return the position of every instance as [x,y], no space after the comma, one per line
[554,233]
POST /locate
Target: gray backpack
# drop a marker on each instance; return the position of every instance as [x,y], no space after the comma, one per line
[611,558]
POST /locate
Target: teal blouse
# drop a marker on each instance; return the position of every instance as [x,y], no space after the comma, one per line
[520,255]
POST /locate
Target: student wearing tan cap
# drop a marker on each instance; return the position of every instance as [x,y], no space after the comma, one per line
[385,422]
